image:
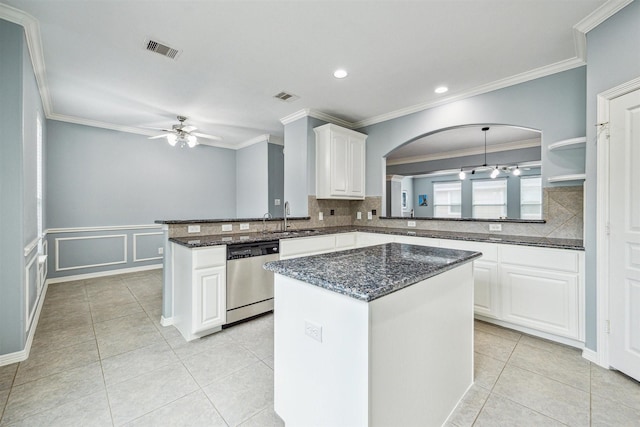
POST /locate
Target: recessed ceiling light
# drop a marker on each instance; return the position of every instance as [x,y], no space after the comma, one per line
[441,89]
[340,74]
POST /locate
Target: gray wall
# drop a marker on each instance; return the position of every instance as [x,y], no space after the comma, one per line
[613,54]
[252,181]
[19,106]
[554,105]
[101,179]
[276,179]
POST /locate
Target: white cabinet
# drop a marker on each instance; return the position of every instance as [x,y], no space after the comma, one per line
[305,246]
[420,241]
[200,290]
[371,239]
[340,163]
[542,289]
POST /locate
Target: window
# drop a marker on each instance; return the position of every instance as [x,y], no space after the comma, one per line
[447,199]
[489,198]
[531,197]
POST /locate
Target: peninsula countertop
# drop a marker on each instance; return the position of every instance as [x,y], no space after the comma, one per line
[225,239]
[372,272]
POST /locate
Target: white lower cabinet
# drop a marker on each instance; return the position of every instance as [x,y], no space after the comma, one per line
[486,297]
[200,290]
[372,239]
[209,309]
[305,246]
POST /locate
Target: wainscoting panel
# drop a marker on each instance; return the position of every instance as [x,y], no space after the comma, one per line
[85,251]
[146,245]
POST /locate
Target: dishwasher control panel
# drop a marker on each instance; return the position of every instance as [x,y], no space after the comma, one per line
[248,250]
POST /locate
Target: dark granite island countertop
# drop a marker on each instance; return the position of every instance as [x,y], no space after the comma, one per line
[372,272]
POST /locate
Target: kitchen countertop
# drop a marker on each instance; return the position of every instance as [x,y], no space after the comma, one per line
[372,272]
[218,220]
[224,239]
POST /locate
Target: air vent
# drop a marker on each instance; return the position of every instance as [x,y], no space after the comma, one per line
[286,97]
[162,49]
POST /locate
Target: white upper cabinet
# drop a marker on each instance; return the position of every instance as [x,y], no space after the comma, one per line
[340,163]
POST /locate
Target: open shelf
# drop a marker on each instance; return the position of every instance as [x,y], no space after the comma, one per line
[572,177]
[567,144]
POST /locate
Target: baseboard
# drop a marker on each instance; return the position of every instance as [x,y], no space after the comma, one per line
[166,321]
[19,356]
[590,355]
[104,273]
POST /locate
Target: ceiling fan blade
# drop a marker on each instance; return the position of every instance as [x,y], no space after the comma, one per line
[204,135]
[157,136]
[189,128]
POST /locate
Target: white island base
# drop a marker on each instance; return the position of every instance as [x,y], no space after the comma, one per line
[405,359]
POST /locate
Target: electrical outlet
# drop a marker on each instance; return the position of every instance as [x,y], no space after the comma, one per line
[411,223]
[320,216]
[495,227]
[375,212]
[227,227]
[332,212]
[313,330]
[369,215]
[359,215]
[193,229]
[244,226]
[160,251]
[276,202]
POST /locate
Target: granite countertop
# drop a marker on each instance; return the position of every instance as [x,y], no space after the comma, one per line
[224,239]
[372,272]
[218,220]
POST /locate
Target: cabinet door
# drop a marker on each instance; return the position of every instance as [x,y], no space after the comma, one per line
[541,299]
[209,298]
[339,164]
[371,239]
[486,294]
[304,246]
[356,167]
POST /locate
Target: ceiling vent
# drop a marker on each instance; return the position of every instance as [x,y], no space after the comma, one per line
[162,49]
[286,97]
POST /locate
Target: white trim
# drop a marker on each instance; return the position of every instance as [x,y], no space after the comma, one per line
[271,139]
[28,315]
[103,273]
[308,112]
[496,148]
[31,246]
[19,356]
[58,239]
[166,321]
[135,247]
[537,333]
[601,14]
[101,228]
[602,217]
[590,355]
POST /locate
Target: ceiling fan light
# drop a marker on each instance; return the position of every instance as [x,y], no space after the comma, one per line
[192,141]
[172,139]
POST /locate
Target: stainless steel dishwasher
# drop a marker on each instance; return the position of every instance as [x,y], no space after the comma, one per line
[249,286]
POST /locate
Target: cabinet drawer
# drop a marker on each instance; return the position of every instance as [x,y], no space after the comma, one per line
[303,246]
[489,250]
[545,258]
[209,257]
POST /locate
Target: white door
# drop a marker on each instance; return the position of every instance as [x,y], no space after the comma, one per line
[624,241]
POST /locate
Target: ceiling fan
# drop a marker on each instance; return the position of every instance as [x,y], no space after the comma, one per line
[183,134]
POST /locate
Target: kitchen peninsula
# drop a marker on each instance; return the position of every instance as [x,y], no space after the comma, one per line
[375,336]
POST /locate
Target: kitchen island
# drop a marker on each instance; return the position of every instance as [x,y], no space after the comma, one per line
[375,336]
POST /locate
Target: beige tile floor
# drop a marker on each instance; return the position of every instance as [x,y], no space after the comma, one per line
[100,357]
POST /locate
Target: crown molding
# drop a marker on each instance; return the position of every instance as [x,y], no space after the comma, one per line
[271,139]
[308,112]
[496,148]
[601,14]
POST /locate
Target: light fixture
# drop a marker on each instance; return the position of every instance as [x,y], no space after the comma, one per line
[462,175]
[340,73]
[495,172]
[516,171]
[184,139]
[172,139]
[441,89]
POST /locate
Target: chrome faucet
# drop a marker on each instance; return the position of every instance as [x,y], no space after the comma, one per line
[286,213]
[264,221]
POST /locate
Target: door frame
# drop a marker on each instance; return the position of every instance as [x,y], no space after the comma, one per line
[602,216]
